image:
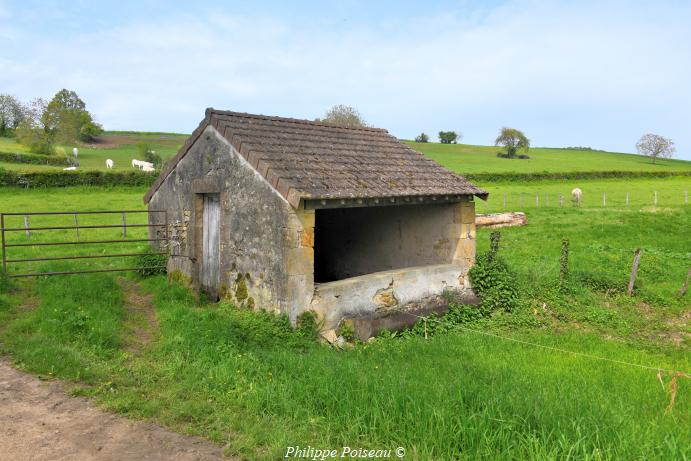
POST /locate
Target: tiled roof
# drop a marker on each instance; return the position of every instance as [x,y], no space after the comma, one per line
[302,159]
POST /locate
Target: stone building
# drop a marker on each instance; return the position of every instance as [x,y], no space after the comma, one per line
[293,215]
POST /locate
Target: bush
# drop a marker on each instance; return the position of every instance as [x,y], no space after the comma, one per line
[153,157]
[32,159]
[494,283]
[422,138]
[151,264]
[74,178]
[448,137]
[307,325]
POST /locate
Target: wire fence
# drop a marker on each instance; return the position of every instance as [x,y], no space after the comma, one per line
[634,199]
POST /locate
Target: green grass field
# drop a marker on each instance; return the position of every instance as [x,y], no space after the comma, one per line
[121,147]
[464,158]
[249,381]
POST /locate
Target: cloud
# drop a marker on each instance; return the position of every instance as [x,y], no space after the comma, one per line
[595,74]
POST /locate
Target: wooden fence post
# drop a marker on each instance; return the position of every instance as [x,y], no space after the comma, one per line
[685,287]
[627,200]
[124,225]
[561,200]
[537,200]
[521,200]
[604,200]
[634,271]
[26,225]
[655,198]
[564,260]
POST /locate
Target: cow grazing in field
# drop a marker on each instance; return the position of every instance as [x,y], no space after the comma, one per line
[144,164]
[69,168]
[109,164]
[576,195]
[148,168]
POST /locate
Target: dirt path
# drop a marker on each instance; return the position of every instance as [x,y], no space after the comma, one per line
[141,323]
[39,422]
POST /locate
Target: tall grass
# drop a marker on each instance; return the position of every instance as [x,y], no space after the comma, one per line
[249,381]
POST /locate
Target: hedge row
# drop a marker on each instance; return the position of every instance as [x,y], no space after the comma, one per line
[546,176]
[32,159]
[74,178]
[137,178]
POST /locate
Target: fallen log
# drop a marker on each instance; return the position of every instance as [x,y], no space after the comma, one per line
[492,220]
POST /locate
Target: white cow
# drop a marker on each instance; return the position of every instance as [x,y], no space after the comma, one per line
[109,164]
[136,163]
[148,168]
[144,164]
[69,168]
[576,195]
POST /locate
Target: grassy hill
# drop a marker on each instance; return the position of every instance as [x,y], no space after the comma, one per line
[121,147]
[465,158]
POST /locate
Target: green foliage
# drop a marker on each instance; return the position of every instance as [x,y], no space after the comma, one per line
[74,178]
[32,159]
[67,118]
[6,284]
[11,114]
[422,137]
[564,260]
[494,240]
[512,140]
[494,283]
[307,325]
[151,264]
[449,137]
[347,331]
[152,157]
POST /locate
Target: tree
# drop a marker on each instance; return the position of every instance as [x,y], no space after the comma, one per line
[345,116]
[654,146]
[512,140]
[67,118]
[448,137]
[422,138]
[32,130]
[11,114]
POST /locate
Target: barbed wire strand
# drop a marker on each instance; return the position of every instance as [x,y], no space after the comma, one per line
[551,348]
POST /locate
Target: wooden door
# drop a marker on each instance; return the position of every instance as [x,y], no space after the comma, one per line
[211,253]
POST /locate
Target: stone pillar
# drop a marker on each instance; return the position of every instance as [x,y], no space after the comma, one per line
[464,223]
[299,262]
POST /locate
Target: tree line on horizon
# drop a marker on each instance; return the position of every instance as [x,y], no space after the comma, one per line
[511,139]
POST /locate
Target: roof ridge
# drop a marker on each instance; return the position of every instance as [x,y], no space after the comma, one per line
[211,111]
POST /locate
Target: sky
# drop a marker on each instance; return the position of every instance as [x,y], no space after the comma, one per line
[567,73]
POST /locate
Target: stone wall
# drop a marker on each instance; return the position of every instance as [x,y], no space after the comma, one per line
[253,228]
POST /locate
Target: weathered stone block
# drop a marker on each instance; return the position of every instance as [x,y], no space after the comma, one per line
[300,261]
[467,231]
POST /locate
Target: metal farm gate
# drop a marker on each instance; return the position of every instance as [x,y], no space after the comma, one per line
[13,225]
